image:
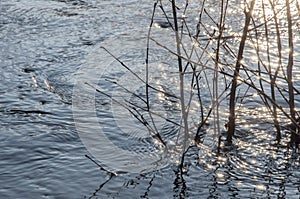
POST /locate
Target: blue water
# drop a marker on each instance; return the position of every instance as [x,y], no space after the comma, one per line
[44,45]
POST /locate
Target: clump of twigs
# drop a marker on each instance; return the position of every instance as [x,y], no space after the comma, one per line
[225,67]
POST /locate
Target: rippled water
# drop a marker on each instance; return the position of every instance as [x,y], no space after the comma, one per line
[45,48]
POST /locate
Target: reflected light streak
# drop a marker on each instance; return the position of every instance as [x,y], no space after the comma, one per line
[220,175]
[260,187]
[209,166]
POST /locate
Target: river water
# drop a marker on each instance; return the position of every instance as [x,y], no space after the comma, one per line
[49,50]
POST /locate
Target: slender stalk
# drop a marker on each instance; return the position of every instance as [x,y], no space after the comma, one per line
[216,74]
[147,68]
[231,127]
[199,21]
[181,77]
[289,71]
[273,82]
[273,109]
[147,56]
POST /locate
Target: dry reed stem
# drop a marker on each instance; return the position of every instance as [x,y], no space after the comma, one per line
[231,123]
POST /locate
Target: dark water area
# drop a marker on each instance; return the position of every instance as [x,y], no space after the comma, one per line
[45,47]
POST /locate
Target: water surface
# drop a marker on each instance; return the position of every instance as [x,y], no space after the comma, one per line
[46,44]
